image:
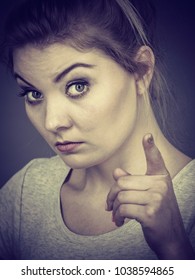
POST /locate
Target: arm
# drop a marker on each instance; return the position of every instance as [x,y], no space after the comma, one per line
[10,210]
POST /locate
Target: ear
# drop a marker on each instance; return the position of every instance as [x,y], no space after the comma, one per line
[145,61]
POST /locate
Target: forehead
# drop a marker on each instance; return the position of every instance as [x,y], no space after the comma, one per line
[53,57]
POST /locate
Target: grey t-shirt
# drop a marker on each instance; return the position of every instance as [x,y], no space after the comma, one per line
[31,224]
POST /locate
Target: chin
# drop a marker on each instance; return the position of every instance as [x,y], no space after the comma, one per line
[79,162]
[76,163]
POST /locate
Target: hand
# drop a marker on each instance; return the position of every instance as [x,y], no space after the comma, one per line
[150,200]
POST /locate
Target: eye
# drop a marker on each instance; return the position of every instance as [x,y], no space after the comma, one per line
[32,96]
[76,89]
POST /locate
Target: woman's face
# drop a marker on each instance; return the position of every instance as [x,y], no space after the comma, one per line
[82,103]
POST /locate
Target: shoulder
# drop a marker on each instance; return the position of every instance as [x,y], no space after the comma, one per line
[184,186]
[37,170]
[186,177]
[48,167]
[184,181]
[29,189]
[46,164]
[45,172]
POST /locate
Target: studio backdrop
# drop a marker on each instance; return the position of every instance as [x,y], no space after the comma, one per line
[19,141]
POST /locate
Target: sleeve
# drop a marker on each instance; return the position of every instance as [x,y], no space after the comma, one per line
[10,206]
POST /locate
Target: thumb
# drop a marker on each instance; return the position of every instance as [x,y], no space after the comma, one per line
[119,172]
[154,160]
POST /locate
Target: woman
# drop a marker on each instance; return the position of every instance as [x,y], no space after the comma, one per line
[117,188]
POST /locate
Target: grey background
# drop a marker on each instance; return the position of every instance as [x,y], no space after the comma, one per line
[19,141]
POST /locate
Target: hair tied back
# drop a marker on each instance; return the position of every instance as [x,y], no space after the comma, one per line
[134,19]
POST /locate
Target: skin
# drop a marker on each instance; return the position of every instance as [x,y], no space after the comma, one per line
[118,163]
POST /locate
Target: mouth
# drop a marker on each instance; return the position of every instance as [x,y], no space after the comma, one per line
[67,147]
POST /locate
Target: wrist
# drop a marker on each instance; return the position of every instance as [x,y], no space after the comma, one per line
[177,251]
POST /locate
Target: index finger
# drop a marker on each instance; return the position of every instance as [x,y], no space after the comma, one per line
[154,160]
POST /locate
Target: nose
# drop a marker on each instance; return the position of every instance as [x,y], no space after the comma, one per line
[56,116]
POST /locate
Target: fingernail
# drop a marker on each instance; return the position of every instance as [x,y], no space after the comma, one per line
[150,139]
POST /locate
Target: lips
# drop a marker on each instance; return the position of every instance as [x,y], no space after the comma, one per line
[67,147]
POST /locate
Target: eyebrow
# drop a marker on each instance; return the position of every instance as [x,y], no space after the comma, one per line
[17,76]
[61,75]
[69,69]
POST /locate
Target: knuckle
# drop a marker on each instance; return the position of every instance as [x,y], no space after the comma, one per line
[150,211]
[163,185]
[157,197]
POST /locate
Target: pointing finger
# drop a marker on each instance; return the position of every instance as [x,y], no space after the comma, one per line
[154,160]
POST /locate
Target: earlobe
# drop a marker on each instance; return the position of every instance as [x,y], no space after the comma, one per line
[141,89]
[145,61]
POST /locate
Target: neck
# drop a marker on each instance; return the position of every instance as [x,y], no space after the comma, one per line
[131,157]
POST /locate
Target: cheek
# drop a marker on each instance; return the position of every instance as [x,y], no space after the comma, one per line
[35,118]
[112,112]
[30,115]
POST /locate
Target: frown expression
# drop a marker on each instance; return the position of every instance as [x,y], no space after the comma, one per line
[76,96]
